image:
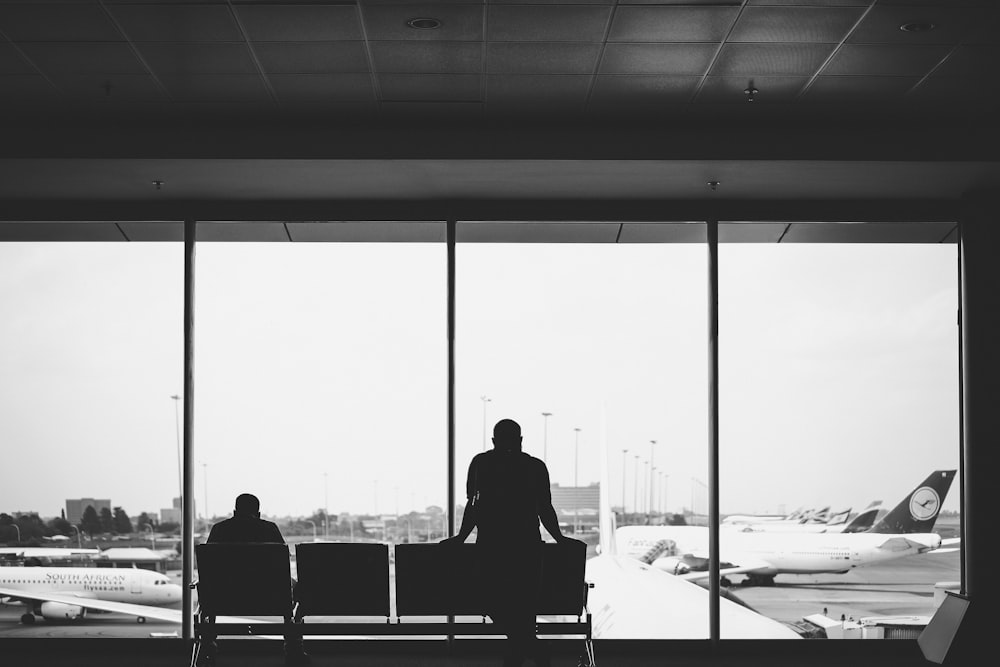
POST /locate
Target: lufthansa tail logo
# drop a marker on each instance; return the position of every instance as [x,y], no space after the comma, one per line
[924,503]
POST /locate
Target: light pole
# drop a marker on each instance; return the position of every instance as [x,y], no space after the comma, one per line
[79,540]
[485,400]
[18,529]
[635,486]
[653,509]
[652,468]
[152,537]
[624,513]
[576,484]
[313,524]
[645,479]
[666,498]
[545,437]
[177,425]
[326,507]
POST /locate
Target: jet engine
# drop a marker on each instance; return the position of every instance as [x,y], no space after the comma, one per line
[61,611]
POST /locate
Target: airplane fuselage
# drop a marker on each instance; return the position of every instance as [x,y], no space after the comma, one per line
[776,553]
[112,584]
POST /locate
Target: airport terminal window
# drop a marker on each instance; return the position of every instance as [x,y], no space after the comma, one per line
[838,390]
[90,354]
[321,387]
[552,334]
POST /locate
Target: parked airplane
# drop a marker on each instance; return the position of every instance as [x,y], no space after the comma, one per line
[904,531]
[840,522]
[53,553]
[70,592]
[632,600]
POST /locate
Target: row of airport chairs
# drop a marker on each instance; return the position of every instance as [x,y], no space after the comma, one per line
[352,580]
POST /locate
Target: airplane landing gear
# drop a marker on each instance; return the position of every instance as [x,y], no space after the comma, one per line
[725,581]
[28,619]
[140,619]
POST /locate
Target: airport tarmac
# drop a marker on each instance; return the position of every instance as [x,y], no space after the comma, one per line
[902,587]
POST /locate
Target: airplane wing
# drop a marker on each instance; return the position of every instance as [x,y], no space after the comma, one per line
[146,611]
[746,565]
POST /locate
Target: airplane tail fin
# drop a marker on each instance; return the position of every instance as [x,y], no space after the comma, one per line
[919,510]
[865,519]
[606,525]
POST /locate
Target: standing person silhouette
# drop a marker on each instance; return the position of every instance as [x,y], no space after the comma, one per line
[245,527]
[508,493]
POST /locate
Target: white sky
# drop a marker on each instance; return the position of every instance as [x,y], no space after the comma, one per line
[321,370]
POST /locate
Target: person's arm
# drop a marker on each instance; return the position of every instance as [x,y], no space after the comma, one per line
[469,515]
[546,512]
[277,534]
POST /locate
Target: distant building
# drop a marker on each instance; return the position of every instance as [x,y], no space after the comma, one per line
[577,503]
[173,514]
[75,507]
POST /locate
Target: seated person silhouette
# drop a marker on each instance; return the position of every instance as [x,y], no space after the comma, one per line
[508,493]
[246,526]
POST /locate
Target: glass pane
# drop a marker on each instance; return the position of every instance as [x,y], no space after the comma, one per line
[90,353]
[555,335]
[321,377]
[839,390]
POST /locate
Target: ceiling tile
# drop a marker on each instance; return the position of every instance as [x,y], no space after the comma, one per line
[458,22]
[671,24]
[431,87]
[111,88]
[11,61]
[971,60]
[537,232]
[271,232]
[869,232]
[25,88]
[663,232]
[312,57]
[794,24]
[755,60]
[755,232]
[956,92]
[79,57]
[159,230]
[823,3]
[59,231]
[197,58]
[541,58]
[57,23]
[436,111]
[300,22]
[882,25]
[537,95]
[323,87]
[177,23]
[885,60]
[556,23]
[428,57]
[731,89]
[216,88]
[657,58]
[643,88]
[367,232]
[858,88]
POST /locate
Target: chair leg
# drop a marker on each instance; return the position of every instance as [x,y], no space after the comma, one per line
[195,652]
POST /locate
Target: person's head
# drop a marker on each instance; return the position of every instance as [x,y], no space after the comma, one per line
[247,506]
[507,436]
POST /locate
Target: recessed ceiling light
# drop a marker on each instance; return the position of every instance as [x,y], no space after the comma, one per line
[424,23]
[917,26]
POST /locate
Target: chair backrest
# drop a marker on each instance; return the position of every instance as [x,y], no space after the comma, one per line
[563,590]
[244,579]
[437,580]
[337,579]
[434,580]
